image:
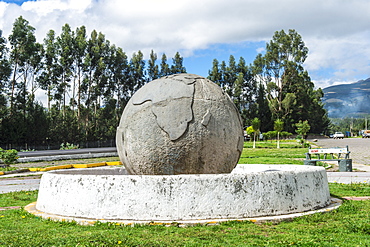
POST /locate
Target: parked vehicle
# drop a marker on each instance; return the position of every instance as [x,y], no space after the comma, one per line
[366,134]
[338,135]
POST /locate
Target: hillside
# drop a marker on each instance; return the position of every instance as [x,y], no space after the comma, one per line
[348,99]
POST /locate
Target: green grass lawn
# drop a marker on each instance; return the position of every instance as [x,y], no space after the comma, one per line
[267,153]
[349,225]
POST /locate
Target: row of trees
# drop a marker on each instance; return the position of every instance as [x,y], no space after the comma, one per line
[88,81]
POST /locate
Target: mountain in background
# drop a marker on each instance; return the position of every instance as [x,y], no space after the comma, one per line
[348,100]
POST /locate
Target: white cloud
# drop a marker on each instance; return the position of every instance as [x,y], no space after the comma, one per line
[260,49]
[347,58]
[337,33]
[44,7]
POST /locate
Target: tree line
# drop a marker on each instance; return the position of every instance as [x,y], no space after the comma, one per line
[88,82]
[275,86]
[351,126]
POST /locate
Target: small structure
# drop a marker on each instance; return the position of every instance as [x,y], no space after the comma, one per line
[321,154]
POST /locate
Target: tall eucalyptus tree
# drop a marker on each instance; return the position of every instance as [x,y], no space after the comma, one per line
[5,71]
[153,68]
[137,71]
[214,74]
[79,53]
[24,50]
[65,44]
[49,77]
[177,64]
[95,78]
[164,67]
[119,79]
[285,54]
[288,86]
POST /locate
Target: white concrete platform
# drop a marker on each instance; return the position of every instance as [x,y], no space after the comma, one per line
[31,208]
[249,191]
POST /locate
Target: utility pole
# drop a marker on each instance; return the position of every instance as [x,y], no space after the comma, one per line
[365,123]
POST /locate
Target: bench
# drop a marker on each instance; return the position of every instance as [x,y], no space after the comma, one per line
[321,154]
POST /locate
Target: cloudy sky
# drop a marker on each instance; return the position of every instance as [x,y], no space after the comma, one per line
[336,32]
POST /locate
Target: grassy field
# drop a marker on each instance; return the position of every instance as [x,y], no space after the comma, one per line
[290,152]
[273,156]
[349,225]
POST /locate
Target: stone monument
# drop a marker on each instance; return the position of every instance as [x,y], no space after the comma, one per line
[180,124]
[180,138]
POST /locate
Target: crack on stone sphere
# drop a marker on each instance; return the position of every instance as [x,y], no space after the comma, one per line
[172,101]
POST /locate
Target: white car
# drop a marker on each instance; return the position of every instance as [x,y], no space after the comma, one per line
[366,134]
[338,135]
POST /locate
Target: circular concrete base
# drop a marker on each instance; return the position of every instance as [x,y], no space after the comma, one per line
[31,208]
[249,191]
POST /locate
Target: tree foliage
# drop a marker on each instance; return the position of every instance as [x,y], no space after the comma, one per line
[88,82]
[237,81]
[289,89]
[302,127]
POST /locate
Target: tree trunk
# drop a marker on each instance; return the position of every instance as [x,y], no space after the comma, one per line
[13,87]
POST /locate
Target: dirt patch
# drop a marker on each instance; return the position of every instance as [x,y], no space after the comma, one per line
[8,208]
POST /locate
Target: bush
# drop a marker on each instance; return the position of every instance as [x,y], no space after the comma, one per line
[273,135]
[270,135]
[285,135]
[68,146]
[8,156]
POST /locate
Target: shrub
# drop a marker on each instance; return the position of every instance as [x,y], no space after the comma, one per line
[285,135]
[68,146]
[8,156]
[270,135]
[273,135]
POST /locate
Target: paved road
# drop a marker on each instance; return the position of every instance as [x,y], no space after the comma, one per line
[348,177]
[66,152]
[19,184]
[51,155]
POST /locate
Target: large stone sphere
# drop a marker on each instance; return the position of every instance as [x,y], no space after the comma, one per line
[180,124]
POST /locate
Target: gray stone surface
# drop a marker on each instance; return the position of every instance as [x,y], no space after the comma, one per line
[180,124]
